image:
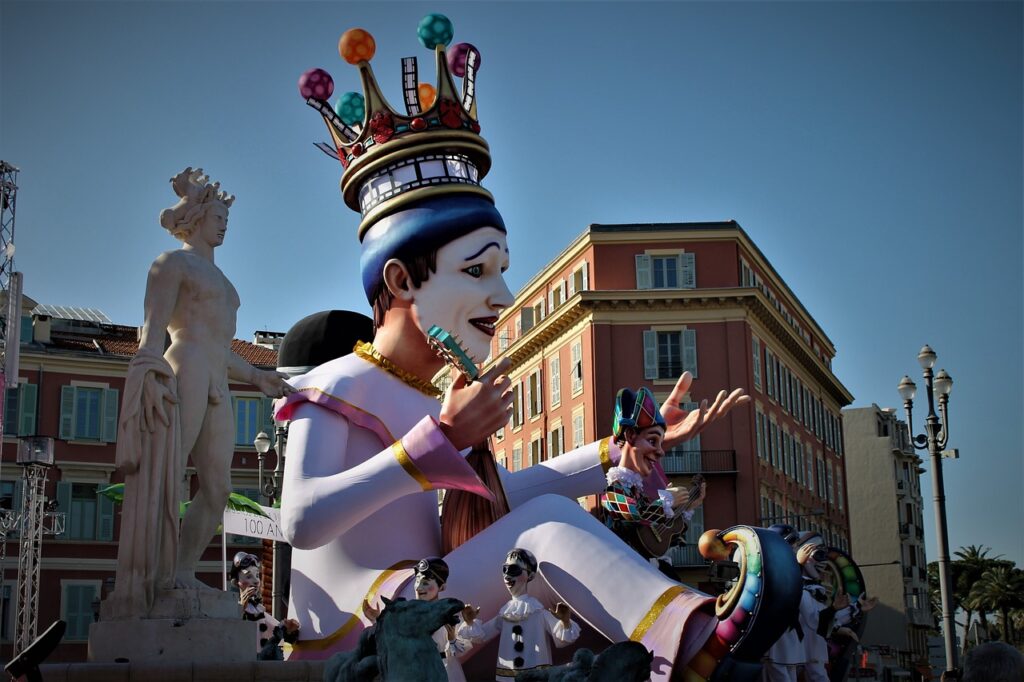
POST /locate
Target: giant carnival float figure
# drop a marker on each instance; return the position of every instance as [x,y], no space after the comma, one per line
[371,439]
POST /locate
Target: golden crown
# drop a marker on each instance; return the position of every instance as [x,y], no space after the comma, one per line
[392,159]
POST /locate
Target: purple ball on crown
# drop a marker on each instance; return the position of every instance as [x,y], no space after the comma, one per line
[316,83]
[457,56]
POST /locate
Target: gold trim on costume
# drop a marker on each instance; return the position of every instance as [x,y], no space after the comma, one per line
[603,451]
[508,672]
[329,640]
[659,605]
[367,352]
[410,468]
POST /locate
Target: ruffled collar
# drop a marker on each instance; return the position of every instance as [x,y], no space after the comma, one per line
[520,608]
[625,476]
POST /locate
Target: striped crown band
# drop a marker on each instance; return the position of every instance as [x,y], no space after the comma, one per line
[393,159]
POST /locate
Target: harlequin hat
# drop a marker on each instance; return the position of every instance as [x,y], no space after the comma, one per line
[433,567]
[636,410]
[428,160]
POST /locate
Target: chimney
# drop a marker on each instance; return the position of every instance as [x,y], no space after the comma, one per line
[41,328]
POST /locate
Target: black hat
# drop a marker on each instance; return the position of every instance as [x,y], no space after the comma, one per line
[321,337]
[433,567]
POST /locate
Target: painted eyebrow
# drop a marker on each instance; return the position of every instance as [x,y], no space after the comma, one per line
[486,246]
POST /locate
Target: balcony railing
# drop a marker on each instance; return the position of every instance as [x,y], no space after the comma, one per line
[700,462]
[687,555]
[905,529]
[901,487]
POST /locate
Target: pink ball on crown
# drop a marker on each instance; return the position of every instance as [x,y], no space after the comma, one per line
[316,83]
[457,55]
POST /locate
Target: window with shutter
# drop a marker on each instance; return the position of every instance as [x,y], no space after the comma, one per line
[76,608]
[11,410]
[247,419]
[556,381]
[756,366]
[689,352]
[665,272]
[526,319]
[577,431]
[577,367]
[688,279]
[643,271]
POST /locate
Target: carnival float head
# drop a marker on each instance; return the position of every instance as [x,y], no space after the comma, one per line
[812,554]
[430,578]
[790,534]
[414,176]
[638,424]
[518,570]
[245,571]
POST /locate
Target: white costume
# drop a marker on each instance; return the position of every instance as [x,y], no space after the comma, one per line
[535,623]
[365,454]
[450,650]
[791,653]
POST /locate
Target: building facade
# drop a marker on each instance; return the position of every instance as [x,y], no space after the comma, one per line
[626,305]
[71,377]
[887,534]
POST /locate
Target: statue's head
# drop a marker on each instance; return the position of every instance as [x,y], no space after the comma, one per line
[202,208]
[414,176]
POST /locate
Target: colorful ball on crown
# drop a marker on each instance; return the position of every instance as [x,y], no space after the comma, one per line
[435,29]
[316,83]
[350,108]
[427,95]
[457,55]
[356,45]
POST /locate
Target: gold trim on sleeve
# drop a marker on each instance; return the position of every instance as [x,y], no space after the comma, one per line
[410,468]
[603,451]
[659,605]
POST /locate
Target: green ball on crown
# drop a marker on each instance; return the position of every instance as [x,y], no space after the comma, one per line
[435,29]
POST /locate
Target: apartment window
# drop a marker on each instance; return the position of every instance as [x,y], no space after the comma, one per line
[756,344]
[525,321]
[839,488]
[670,271]
[556,296]
[784,393]
[746,274]
[87,514]
[20,410]
[536,450]
[88,413]
[517,405]
[769,366]
[503,340]
[7,613]
[669,354]
[517,456]
[554,370]
[538,310]
[580,279]
[76,607]
[499,435]
[577,431]
[536,393]
[577,366]
[556,441]
[773,456]
[252,415]
[766,510]
[828,482]
[759,421]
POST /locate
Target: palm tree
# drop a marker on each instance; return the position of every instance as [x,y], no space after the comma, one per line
[1001,588]
[965,572]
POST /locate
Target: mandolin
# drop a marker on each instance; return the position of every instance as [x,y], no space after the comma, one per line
[655,542]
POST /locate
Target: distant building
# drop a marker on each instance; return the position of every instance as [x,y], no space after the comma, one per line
[69,386]
[887,533]
[626,305]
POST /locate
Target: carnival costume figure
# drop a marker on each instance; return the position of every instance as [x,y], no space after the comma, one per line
[369,440]
[525,626]
[639,431]
[245,574]
[429,581]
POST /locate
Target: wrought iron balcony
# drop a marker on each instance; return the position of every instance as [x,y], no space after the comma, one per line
[699,462]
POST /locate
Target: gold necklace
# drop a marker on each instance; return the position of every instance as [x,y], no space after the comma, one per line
[367,352]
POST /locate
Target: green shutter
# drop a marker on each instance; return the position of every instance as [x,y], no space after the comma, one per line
[27,409]
[67,412]
[104,516]
[690,351]
[64,505]
[267,416]
[650,354]
[688,264]
[11,421]
[108,429]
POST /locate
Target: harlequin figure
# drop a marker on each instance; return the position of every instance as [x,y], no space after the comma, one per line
[639,431]
[371,438]
[525,627]
[245,574]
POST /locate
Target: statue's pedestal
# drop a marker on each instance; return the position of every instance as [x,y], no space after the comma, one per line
[184,625]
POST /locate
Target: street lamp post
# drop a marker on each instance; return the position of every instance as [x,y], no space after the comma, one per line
[934,439]
[270,487]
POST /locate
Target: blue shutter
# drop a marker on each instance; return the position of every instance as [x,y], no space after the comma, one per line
[16,504]
[643,271]
[27,409]
[104,516]
[67,412]
[108,427]
[267,416]
[11,421]
[690,351]
[650,354]
[689,263]
[692,445]
[64,505]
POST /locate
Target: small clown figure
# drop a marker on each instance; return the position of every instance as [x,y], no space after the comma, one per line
[245,575]
[429,581]
[523,623]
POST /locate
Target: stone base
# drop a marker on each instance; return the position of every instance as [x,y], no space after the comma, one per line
[173,641]
[180,604]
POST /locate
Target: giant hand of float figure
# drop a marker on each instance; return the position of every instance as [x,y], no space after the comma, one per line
[177,402]
[683,425]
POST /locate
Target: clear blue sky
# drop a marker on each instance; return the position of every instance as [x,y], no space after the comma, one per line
[872,150]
